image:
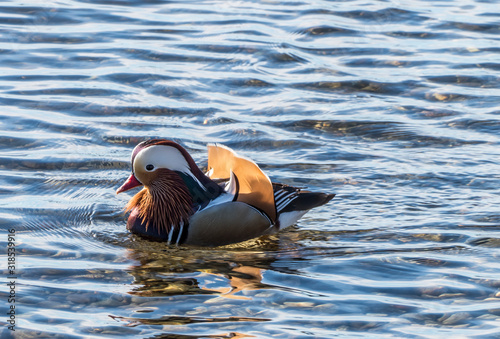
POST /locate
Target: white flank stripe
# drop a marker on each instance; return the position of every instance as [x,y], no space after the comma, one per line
[284,198]
[280,206]
[285,203]
[180,233]
[170,233]
[278,194]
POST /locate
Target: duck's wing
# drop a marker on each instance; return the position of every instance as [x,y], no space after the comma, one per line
[253,186]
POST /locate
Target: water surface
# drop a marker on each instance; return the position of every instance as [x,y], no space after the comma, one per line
[393,105]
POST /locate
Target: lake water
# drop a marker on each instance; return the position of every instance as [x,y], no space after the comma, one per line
[393,105]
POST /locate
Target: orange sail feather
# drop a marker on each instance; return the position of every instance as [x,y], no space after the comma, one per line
[255,187]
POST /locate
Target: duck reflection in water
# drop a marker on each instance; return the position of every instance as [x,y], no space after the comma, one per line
[181,271]
[171,279]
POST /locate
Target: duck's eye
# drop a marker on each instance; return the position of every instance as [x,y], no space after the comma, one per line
[150,167]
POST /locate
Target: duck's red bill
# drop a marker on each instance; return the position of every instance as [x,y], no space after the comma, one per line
[130,183]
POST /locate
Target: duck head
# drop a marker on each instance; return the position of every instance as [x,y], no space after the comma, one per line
[174,186]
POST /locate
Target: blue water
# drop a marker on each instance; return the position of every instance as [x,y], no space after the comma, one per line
[392,105]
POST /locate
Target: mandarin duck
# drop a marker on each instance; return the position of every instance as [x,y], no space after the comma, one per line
[233,202]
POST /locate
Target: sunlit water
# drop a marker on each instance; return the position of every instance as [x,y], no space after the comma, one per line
[393,105]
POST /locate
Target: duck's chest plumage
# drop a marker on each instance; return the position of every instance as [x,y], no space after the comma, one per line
[162,211]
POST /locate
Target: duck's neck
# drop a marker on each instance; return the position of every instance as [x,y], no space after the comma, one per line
[201,191]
